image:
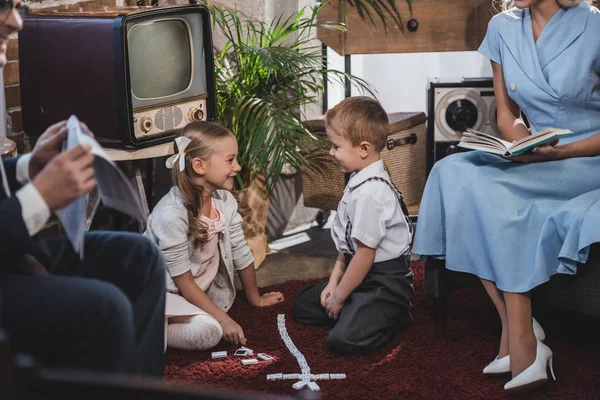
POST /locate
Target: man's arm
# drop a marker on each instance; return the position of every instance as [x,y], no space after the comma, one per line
[10,165]
[14,236]
[34,210]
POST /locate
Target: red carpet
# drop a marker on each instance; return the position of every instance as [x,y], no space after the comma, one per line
[420,362]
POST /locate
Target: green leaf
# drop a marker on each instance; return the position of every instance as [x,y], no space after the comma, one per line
[266,75]
[386,10]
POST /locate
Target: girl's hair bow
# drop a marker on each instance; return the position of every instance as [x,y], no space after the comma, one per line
[182,142]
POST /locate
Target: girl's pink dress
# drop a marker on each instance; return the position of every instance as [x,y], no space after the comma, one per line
[177,305]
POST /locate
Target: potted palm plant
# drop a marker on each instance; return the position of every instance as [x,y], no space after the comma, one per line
[266,74]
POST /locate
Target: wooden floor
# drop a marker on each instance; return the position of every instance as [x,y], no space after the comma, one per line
[414,209]
[283,266]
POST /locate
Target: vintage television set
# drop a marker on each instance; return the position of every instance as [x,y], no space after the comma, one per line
[135,75]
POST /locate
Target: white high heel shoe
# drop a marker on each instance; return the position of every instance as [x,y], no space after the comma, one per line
[535,375]
[538,331]
[501,366]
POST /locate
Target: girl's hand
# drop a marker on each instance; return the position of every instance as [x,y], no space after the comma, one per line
[269,299]
[334,306]
[232,331]
[328,291]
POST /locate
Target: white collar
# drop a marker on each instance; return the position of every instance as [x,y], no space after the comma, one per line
[374,169]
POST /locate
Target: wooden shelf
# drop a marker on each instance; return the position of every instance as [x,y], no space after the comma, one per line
[443,26]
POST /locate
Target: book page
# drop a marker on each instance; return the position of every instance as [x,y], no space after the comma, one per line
[473,136]
[72,217]
[542,137]
[483,147]
[116,191]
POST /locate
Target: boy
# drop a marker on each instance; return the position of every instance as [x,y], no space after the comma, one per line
[370,290]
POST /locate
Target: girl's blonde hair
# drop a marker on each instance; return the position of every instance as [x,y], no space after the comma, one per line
[508,4]
[204,140]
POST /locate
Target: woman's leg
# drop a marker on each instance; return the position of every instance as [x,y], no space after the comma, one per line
[498,299]
[522,342]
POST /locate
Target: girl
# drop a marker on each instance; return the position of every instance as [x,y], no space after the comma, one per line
[199,230]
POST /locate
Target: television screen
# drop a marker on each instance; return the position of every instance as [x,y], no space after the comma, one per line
[160,58]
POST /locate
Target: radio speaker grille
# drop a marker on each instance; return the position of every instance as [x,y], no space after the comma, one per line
[168,118]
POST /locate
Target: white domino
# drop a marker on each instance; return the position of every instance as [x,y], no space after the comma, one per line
[299,385]
[264,356]
[250,351]
[250,361]
[306,378]
[219,354]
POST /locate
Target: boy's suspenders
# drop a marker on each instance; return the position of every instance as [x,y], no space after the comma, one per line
[398,194]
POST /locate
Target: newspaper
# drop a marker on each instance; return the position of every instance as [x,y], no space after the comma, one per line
[114,188]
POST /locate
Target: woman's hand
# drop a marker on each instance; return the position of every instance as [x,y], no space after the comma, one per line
[328,291]
[232,331]
[547,152]
[269,299]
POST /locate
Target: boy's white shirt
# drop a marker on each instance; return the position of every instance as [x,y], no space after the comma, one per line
[168,227]
[375,213]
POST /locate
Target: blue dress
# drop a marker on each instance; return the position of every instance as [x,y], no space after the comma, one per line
[518,224]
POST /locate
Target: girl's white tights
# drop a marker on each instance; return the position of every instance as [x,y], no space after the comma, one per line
[199,332]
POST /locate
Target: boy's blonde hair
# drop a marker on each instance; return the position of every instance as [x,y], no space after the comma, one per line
[204,140]
[359,119]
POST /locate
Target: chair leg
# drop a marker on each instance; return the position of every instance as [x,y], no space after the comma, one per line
[440,311]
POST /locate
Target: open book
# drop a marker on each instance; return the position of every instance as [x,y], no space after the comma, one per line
[116,191]
[476,140]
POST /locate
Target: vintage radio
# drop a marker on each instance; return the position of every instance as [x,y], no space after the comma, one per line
[453,106]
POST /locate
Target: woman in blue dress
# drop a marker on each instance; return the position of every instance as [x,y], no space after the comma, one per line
[515,222]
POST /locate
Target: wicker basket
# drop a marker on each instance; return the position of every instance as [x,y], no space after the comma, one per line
[404,159]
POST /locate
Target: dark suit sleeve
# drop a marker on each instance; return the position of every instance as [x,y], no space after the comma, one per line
[14,237]
[10,166]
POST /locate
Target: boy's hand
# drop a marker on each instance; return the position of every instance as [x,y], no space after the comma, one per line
[328,291]
[333,306]
[269,299]
[232,331]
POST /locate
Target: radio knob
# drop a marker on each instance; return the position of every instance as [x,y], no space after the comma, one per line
[195,114]
[145,124]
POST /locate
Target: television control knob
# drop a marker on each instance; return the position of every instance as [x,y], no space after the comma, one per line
[145,124]
[195,114]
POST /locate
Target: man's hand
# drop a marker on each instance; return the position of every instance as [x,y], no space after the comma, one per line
[328,291]
[66,177]
[31,266]
[333,306]
[232,331]
[47,147]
